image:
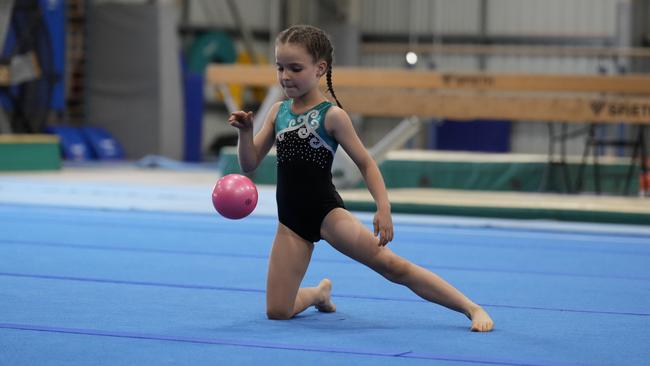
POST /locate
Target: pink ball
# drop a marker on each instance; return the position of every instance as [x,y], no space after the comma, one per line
[234,196]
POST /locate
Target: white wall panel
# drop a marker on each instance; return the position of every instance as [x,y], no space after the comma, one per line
[505,17]
[217,13]
[420,16]
[552,17]
[384,16]
[458,17]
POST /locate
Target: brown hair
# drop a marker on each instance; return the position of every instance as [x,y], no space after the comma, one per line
[317,44]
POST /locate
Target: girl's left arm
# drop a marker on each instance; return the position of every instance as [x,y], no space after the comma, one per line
[339,125]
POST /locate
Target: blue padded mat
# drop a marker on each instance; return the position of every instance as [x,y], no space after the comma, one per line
[108,286]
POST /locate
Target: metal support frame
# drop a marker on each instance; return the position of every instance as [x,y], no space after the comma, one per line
[557,162]
[593,146]
[594,143]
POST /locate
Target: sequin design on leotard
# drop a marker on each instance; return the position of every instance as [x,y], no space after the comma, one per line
[303,136]
[305,151]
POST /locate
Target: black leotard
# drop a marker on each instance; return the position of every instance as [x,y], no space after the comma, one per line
[305,151]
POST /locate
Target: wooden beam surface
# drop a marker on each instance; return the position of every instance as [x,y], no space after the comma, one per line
[470,106]
[402,93]
[401,78]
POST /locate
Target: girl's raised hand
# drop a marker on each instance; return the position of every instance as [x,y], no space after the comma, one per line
[241,120]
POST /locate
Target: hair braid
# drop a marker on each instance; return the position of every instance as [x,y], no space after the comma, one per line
[330,88]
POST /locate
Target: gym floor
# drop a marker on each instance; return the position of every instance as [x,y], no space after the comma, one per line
[133,266]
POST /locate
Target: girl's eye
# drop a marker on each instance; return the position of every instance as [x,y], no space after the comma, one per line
[292,68]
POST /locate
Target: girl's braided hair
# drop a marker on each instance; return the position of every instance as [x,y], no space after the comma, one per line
[317,44]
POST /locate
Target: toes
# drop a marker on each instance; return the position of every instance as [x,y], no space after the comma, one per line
[326,308]
[482,327]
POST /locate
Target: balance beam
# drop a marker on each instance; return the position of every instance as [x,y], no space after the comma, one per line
[463,106]
[417,79]
[459,96]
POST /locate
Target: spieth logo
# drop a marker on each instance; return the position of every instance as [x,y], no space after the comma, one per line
[474,81]
[621,109]
[597,106]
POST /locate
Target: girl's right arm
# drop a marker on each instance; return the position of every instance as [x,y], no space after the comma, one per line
[251,150]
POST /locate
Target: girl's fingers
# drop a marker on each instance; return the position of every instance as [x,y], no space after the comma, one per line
[240,119]
[386,235]
[384,239]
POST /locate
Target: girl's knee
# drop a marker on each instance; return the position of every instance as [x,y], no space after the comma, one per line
[395,269]
[278,313]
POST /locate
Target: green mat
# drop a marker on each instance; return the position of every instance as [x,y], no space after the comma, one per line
[480,175]
[483,173]
[611,217]
[29,152]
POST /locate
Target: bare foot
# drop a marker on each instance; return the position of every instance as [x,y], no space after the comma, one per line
[481,321]
[326,305]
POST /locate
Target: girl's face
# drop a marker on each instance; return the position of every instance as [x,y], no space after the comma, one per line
[298,74]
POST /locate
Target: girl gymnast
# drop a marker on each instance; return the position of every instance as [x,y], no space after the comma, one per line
[307,130]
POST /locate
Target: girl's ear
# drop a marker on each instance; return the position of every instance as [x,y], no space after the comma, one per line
[322,67]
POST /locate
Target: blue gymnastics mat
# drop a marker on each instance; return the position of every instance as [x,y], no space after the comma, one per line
[83,284]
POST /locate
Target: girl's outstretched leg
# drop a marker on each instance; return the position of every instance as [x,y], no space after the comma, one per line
[349,236]
[288,263]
